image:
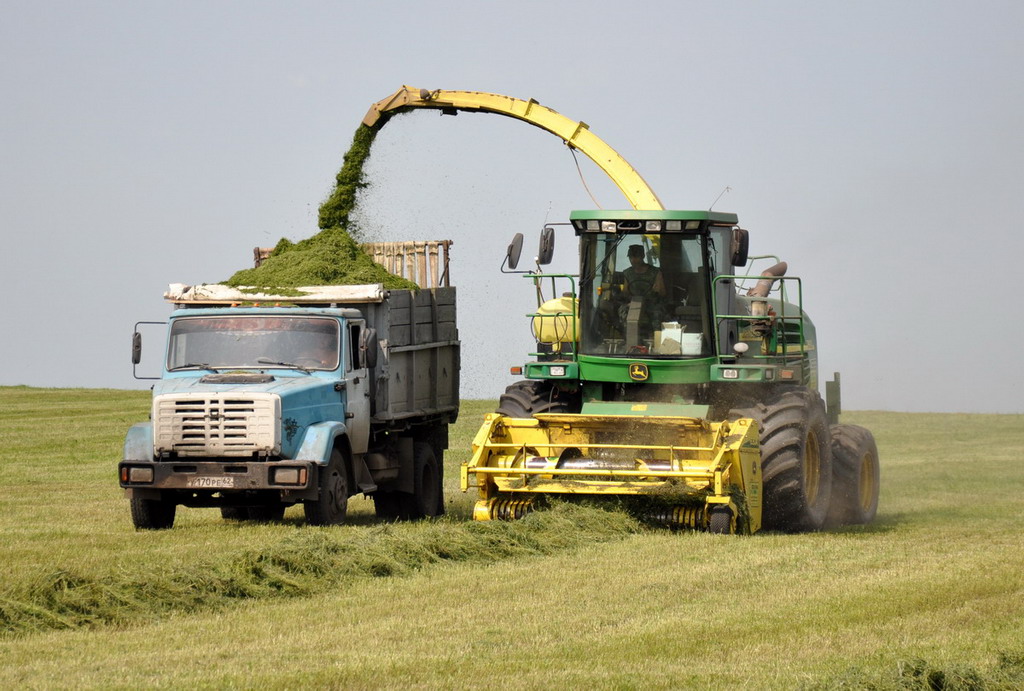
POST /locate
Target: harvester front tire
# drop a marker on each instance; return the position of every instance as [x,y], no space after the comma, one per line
[796,459]
[524,399]
[331,506]
[153,514]
[855,476]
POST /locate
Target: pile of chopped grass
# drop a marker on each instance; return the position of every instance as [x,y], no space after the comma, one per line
[332,256]
[306,562]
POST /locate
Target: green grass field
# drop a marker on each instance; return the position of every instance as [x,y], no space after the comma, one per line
[930,596]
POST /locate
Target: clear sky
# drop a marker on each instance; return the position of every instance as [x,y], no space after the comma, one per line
[877,147]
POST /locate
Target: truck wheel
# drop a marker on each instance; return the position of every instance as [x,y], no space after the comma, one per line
[387,505]
[526,398]
[234,513]
[153,514]
[268,513]
[426,497]
[855,476]
[796,459]
[330,507]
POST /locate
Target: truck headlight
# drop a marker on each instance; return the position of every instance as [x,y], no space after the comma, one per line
[288,476]
[139,475]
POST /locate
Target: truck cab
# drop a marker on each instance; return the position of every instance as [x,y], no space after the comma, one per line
[261,407]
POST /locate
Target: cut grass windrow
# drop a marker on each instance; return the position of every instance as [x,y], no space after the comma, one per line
[306,562]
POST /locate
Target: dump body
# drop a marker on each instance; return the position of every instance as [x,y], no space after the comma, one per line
[258,406]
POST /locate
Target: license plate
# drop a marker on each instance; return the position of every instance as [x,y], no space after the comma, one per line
[211,482]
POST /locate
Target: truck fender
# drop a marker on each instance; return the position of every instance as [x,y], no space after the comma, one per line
[318,441]
[317,444]
[138,443]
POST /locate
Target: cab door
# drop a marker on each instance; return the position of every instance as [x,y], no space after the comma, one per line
[357,388]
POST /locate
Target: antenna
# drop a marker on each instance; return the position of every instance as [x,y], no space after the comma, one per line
[720,195]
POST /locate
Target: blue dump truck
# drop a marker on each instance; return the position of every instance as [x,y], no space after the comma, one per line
[265,401]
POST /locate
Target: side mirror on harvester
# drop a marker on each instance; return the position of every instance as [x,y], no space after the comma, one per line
[515,250]
[740,245]
[547,245]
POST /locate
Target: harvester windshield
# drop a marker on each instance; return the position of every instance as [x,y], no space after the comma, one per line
[644,294]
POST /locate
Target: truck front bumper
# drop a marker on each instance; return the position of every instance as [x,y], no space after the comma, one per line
[295,479]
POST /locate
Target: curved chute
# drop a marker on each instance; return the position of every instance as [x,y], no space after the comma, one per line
[574,134]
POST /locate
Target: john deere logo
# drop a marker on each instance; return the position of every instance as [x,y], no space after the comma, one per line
[638,371]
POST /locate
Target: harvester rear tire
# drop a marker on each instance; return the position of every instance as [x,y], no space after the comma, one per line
[855,476]
[153,514]
[331,506]
[796,459]
[524,399]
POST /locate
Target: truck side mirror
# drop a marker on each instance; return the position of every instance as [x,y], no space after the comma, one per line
[136,348]
[740,245]
[547,245]
[515,250]
[368,347]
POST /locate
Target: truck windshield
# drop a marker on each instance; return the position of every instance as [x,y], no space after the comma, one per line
[643,295]
[253,341]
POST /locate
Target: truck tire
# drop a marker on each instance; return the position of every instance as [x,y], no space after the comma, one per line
[525,399]
[330,507]
[153,514]
[387,505]
[268,513]
[234,513]
[855,476]
[427,495]
[796,459]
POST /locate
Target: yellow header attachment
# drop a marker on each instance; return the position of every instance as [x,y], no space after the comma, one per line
[574,134]
[690,472]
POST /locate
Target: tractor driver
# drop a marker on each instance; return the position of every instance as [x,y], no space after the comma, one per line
[642,279]
[643,283]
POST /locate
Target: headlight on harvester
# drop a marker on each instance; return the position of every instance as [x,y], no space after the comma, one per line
[730,374]
[557,370]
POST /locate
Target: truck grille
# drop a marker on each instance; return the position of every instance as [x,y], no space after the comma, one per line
[217,424]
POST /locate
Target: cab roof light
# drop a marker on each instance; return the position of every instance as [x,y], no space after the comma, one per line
[593,224]
[608,226]
[693,225]
[674,225]
[653,226]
